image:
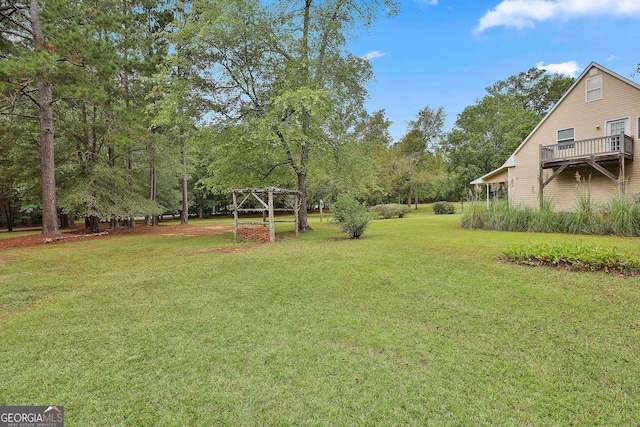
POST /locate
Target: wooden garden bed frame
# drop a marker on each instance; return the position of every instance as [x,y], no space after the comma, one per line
[267,207]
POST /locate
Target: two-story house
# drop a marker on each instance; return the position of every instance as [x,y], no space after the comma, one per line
[585,143]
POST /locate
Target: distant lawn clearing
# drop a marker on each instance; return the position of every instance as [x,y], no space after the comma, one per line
[416,323]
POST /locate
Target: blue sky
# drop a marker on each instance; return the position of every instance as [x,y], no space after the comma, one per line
[446,52]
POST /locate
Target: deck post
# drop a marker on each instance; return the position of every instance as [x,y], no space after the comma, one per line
[541,183]
[621,178]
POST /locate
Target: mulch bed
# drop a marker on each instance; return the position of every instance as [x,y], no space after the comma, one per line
[81,234]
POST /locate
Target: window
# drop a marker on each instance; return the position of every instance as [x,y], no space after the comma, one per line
[594,88]
[614,128]
[565,137]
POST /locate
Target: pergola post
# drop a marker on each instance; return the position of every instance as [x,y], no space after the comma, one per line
[272,226]
[235,218]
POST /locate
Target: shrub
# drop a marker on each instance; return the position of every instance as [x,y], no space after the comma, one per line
[389,210]
[351,215]
[575,256]
[443,208]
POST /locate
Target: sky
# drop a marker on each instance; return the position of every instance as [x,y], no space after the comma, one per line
[446,52]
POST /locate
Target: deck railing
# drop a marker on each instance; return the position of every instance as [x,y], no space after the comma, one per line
[594,147]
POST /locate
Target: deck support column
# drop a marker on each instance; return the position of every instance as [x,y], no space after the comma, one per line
[541,184]
[622,178]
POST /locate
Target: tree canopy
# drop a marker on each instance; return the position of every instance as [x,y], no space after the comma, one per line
[112,110]
[486,133]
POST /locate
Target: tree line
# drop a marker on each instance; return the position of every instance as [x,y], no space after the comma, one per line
[117,109]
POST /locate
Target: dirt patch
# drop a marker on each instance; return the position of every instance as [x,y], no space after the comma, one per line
[81,234]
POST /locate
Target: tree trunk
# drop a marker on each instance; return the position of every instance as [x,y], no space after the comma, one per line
[152,218]
[409,198]
[113,222]
[301,172]
[45,116]
[94,224]
[303,220]
[184,215]
[9,214]
[64,220]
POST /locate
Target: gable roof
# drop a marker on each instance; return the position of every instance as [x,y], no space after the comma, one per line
[575,83]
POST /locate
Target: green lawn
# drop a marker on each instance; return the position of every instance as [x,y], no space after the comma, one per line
[4,234]
[414,324]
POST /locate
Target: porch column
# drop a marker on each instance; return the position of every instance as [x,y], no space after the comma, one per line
[488,184]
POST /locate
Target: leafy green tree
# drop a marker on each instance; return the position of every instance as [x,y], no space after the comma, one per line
[280,70]
[415,161]
[486,133]
[535,89]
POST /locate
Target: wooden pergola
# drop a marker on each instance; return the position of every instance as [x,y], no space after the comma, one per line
[266,207]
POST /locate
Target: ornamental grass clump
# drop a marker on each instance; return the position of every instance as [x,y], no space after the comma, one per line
[351,215]
[620,217]
[574,256]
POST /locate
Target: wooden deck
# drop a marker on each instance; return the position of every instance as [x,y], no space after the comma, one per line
[593,152]
[588,151]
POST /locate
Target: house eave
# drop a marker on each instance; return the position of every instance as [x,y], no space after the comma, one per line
[484,179]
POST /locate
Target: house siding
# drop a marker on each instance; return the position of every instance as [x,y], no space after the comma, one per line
[619,100]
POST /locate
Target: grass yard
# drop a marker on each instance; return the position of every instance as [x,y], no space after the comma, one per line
[414,324]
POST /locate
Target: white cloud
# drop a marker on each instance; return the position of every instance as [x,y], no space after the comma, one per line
[569,68]
[427,2]
[520,14]
[373,54]
[613,58]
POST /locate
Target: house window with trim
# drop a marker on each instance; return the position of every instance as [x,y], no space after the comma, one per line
[593,88]
[613,128]
[565,138]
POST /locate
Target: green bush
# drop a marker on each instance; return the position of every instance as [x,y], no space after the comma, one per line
[443,208]
[389,210]
[574,256]
[351,215]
